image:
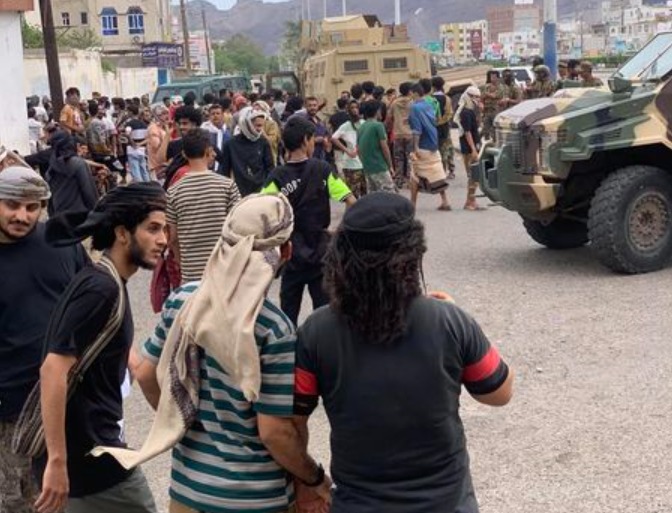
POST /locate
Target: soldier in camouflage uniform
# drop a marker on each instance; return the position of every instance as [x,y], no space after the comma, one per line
[512,93]
[543,86]
[491,94]
[587,78]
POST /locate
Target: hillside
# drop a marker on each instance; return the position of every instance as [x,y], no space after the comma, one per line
[264,23]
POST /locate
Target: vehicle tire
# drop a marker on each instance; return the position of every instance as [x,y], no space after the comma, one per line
[558,234]
[630,220]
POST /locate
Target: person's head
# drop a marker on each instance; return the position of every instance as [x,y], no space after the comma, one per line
[356,91]
[136,101]
[119,104]
[128,221]
[208,98]
[216,115]
[370,109]
[224,93]
[267,98]
[161,113]
[225,103]
[46,102]
[438,83]
[144,100]
[299,134]
[342,103]
[353,110]
[251,123]
[426,85]
[378,93]
[197,144]
[240,102]
[166,101]
[312,106]
[586,69]
[492,77]
[133,110]
[563,70]
[190,99]
[573,68]
[72,96]
[82,146]
[345,95]
[542,73]
[471,97]
[94,108]
[187,118]
[23,195]
[508,77]
[368,87]
[278,95]
[405,88]
[95,95]
[537,61]
[373,267]
[31,113]
[294,104]
[390,94]
[146,114]
[418,91]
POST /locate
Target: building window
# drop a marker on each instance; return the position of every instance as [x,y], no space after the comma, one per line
[394,63]
[109,21]
[136,21]
[65,19]
[356,66]
[84,18]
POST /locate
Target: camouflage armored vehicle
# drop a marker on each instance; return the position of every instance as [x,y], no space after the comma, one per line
[593,165]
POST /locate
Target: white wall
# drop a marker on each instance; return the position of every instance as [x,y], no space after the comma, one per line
[82,69]
[13,119]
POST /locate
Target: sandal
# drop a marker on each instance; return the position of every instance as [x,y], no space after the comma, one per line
[445,208]
[474,207]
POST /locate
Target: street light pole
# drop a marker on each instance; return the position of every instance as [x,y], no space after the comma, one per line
[397,12]
[51,55]
[550,39]
[345,8]
[185,35]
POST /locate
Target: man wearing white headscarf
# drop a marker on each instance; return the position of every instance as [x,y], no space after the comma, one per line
[466,118]
[219,370]
[247,156]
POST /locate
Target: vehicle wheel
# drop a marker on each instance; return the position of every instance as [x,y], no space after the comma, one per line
[630,220]
[558,234]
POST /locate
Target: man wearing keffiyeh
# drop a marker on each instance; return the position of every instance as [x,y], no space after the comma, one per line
[220,372]
[247,157]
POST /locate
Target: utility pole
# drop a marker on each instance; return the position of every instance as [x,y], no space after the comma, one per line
[185,35]
[51,54]
[207,41]
[550,39]
[397,12]
[308,13]
[345,8]
[324,5]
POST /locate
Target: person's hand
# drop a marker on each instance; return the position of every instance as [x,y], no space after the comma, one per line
[352,153]
[311,500]
[55,488]
[474,155]
[413,156]
[441,296]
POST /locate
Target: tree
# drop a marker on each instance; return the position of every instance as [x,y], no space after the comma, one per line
[240,55]
[32,35]
[84,39]
[290,50]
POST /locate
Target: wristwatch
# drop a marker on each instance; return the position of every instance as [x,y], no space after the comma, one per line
[318,480]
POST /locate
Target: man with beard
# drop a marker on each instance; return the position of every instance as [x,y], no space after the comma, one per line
[491,94]
[322,140]
[512,94]
[33,275]
[389,364]
[92,322]
[247,157]
[186,118]
[402,146]
[345,140]
[72,118]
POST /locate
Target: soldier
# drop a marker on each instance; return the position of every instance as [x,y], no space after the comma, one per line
[587,78]
[513,94]
[563,74]
[543,86]
[491,93]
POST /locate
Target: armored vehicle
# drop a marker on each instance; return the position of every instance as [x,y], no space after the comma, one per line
[593,165]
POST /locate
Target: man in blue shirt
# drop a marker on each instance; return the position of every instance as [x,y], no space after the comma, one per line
[428,173]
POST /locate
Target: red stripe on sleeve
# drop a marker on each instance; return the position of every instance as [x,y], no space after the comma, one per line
[483,369]
[305,382]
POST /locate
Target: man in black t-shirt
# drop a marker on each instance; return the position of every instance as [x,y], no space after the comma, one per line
[32,277]
[128,225]
[309,184]
[389,365]
[470,140]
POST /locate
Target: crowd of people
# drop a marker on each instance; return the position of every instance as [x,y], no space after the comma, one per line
[222,199]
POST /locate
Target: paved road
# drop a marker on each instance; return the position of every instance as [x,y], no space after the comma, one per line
[588,430]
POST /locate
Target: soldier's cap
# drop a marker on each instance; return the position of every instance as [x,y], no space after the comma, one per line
[23,184]
[586,66]
[563,64]
[542,68]
[378,220]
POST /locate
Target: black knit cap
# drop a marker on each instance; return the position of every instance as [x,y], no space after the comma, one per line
[378,220]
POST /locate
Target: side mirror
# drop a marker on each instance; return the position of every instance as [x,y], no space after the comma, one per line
[620,85]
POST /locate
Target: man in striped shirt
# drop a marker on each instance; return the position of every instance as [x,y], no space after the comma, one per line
[197,207]
[239,454]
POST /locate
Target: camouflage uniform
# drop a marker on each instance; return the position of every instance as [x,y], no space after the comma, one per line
[512,92]
[540,89]
[490,108]
[18,490]
[592,82]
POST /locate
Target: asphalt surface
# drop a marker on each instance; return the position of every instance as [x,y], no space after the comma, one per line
[588,429]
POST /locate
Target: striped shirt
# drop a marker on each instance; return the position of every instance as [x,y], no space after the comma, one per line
[198,205]
[221,466]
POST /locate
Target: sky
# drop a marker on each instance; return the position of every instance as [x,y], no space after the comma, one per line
[226,4]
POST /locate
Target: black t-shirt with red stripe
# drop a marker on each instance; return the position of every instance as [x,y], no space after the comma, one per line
[397,441]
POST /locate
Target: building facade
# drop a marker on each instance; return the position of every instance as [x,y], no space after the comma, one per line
[463,42]
[123,26]
[513,18]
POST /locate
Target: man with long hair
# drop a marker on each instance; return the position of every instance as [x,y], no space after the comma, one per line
[389,364]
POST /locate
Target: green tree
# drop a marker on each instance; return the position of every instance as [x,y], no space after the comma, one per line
[80,39]
[240,55]
[32,35]
[290,50]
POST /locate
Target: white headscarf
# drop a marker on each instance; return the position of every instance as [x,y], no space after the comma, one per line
[246,119]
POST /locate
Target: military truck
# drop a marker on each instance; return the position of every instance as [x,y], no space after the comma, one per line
[593,165]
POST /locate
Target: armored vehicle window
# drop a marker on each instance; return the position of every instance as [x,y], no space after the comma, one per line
[355,66]
[653,61]
[395,63]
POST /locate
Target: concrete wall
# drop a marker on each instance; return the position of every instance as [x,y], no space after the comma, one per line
[13,121]
[83,69]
